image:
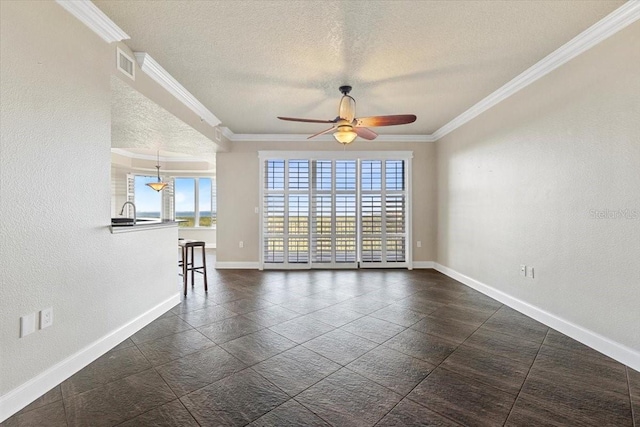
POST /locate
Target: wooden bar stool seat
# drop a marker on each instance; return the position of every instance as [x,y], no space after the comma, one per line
[187,262]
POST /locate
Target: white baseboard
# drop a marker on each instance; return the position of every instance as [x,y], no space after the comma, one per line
[604,345]
[237,265]
[26,393]
[423,264]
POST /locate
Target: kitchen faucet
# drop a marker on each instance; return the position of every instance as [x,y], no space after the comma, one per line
[134,210]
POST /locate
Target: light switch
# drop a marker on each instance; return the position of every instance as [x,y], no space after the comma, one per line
[27,324]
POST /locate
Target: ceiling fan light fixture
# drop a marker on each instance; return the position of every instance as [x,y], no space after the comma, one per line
[345,135]
[347,127]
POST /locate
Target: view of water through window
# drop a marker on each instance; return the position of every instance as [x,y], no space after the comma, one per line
[187,207]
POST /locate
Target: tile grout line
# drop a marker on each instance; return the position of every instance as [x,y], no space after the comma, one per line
[633,417]
[339,364]
[527,376]
[326,376]
[277,354]
[64,409]
[113,381]
[161,377]
[434,369]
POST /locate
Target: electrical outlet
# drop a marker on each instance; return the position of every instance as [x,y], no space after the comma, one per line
[256,210]
[46,317]
[241,244]
[531,272]
[27,324]
[419,243]
[523,270]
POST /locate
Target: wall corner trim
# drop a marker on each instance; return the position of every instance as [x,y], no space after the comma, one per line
[604,345]
[26,393]
[91,16]
[154,70]
[229,265]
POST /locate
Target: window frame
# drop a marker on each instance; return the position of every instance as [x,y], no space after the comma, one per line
[131,193]
[333,156]
[196,200]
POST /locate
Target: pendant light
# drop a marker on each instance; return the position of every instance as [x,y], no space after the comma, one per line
[158,186]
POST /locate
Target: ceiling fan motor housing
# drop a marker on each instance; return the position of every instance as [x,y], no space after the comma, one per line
[347,109]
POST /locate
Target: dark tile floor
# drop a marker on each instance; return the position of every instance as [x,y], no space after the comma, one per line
[342,348]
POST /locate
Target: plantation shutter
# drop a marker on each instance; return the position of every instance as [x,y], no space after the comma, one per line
[345,212]
[168,206]
[273,212]
[334,213]
[214,202]
[383,218]
[395,211]
[322,221]
[131,196]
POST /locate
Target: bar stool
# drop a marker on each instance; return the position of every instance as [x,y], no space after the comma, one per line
[187,262]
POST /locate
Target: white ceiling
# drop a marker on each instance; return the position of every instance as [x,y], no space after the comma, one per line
[250,61]
[142,126]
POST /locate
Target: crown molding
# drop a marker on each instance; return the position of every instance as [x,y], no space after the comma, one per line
[601,30]
[284,137]
[89,14]
[226,132]
[123,152]
[617,20]
[620,18]
[154,70]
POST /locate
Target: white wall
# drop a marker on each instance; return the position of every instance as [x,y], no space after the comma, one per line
[238,194]
[55,245]
[207,235]
[518,184]
[118,190]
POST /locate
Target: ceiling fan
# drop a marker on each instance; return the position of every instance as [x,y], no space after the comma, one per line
[347,126]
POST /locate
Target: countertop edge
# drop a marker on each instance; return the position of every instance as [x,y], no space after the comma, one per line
[142,227]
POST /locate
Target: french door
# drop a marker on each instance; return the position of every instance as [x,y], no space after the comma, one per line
[335,210]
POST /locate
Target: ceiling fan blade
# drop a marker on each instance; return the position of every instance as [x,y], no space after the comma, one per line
[365,133]
[293,119]
[323,132]
[400,119]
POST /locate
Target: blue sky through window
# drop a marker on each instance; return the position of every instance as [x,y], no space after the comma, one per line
[184,194]
[147,200]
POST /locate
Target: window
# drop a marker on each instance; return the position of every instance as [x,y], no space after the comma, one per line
[195,201]
[334,212]
[382,196]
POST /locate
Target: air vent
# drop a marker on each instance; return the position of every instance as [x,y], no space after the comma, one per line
[125,64]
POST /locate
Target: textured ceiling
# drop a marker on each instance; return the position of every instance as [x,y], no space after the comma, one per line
[137,122]
[250,61]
